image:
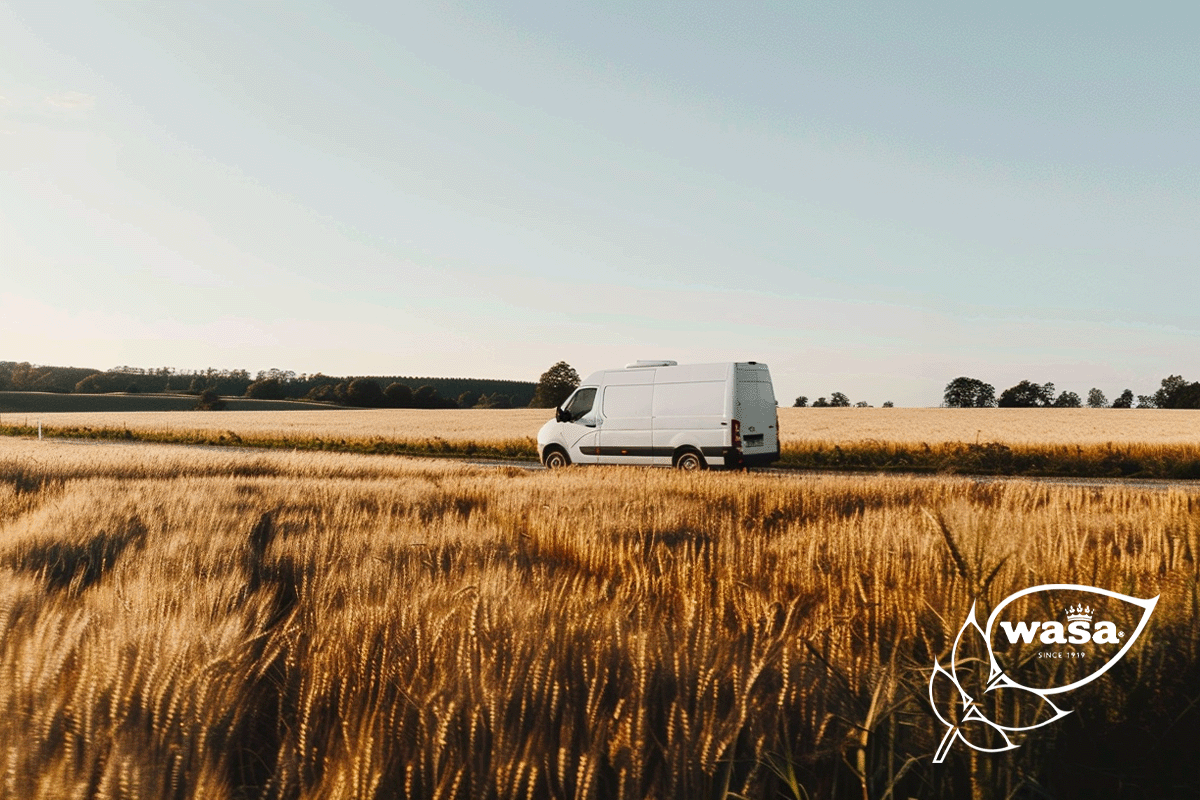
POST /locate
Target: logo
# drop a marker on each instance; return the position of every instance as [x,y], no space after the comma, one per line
[1038,642]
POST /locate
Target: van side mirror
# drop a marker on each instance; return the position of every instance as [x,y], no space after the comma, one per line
[561,415]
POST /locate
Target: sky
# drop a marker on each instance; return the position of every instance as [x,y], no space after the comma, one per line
[870,198]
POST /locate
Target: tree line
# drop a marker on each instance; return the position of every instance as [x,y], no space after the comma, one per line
[964,392]
[836,400]
[274,384]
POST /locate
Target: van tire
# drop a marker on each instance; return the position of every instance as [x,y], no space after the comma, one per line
[555,458]
[689,460]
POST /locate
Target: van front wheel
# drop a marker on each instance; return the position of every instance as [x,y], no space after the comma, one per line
[555,459]
[690,461]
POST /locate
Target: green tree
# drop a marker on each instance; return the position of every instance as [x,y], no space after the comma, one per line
[839,400]
[1067,400]
[1177,393]
[324,393]
[820,402]
[496,400]
[399,395]
[365,393]
[426,397]
[92,384]
[964,392]
[468,399]
[1027,394]
[554,386]
[801,402]
[266,389]
[209,400]
[1125,400]
[1096,399]
[888,404]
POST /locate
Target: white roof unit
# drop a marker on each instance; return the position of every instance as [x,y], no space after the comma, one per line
[644,364]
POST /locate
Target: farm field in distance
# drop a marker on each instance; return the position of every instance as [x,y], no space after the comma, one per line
[178,622]
[1078,442]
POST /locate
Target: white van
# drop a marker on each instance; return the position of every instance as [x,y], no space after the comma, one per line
[691,416]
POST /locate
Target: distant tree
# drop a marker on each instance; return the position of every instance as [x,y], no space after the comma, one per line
[365,393]
[964,392]
[1170,385]
[1096,399]
[820,402]
[839,400]
[1146,401]
[265,389]
[1027,394]
[1067,400]
[801,402]
[426,397]
[1177,393]
[496,400]
[554,386]
[1125,400]
[888,404]
[862,404]
[468,399]
[197,384]
[92,384]
[324,393]
[132,388]
[399,395]
[209,400]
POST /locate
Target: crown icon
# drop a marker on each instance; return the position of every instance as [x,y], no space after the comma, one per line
[1079,613]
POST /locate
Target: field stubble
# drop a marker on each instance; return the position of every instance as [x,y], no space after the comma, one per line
[1048,442]
[222,624]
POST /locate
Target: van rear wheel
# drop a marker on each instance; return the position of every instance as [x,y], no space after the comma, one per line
[555,459]
[690,461]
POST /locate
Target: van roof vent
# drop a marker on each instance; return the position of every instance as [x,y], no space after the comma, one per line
[644,364]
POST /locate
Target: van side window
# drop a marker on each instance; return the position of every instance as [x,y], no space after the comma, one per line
[581,403]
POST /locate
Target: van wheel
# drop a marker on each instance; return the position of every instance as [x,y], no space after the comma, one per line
[555,459]
[690,461]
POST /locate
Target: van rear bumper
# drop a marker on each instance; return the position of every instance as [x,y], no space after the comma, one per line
[735,458]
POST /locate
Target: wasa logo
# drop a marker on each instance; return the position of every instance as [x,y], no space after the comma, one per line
[1038,642]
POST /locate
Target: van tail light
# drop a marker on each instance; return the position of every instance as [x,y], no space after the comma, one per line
[737,435]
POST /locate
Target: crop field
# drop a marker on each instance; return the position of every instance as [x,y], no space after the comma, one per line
[1074,442]
[184,623]
[829,426]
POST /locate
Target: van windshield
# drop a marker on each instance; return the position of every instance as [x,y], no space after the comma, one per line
[581,403]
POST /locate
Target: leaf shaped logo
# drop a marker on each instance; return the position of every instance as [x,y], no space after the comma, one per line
[1143,611]
[969,697]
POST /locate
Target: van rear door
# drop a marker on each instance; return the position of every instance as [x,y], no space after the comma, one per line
[754,408]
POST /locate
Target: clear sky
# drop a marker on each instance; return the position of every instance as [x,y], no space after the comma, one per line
[872,199]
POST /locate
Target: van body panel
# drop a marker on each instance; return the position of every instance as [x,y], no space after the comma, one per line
[626,433]
[646,414]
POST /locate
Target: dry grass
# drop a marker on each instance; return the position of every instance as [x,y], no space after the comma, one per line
[482,425]
[222,624]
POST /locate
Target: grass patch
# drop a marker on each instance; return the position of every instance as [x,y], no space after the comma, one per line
[1169,461]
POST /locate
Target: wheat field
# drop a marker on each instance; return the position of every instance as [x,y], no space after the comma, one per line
[184,623]
[831,426]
